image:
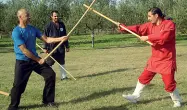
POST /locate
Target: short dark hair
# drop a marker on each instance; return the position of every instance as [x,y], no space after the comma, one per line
[156,10]
[53,11]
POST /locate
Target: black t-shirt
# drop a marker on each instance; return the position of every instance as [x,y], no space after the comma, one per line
[51,30]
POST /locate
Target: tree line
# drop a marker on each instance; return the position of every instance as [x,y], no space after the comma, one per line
[128,12]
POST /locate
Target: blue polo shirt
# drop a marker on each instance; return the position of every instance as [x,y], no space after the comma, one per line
[25,36]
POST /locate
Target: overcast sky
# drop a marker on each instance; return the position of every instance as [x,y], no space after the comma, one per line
[3,0]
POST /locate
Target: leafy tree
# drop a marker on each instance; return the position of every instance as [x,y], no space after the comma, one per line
[125,11]
[2,15]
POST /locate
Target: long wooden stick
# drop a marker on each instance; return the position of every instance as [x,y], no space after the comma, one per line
[4,93]
[71,30]
[117,23]
[57,62]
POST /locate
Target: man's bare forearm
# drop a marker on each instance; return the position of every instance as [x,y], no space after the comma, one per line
[29,54]
[54,40]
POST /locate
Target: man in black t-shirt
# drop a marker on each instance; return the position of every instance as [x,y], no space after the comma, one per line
[56,28]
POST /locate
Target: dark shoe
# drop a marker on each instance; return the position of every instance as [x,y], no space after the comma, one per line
[12,107]
[64,78]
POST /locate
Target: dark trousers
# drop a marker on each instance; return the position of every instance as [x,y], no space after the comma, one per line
[23,70]
[59,56]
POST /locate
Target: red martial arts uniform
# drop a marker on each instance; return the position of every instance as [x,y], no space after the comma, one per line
[163,58]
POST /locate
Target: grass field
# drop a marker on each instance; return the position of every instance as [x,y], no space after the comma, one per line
[103,74]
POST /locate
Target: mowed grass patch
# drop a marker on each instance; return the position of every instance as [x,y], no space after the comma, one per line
[104,41]
[103,75]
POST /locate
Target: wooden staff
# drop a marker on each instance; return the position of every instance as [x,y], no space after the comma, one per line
[4,93]
[57,62]
[117,23]
[71,30]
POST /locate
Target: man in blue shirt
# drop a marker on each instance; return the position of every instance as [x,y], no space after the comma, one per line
[27,60]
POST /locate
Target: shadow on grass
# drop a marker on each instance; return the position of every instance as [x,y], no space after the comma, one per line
[88,98]
[184,103]
[101,94]
[123,107]
[79,100]
[105,93]
[7,45]
[57,104]
[157,99]
[104,73]
[6,50]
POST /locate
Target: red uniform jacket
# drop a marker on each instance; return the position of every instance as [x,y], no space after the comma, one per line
[163,58]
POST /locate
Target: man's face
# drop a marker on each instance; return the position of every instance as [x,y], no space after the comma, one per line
[54,17]
[25,17]
[152,18]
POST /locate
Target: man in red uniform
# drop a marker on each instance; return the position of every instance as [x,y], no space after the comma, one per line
[161,33]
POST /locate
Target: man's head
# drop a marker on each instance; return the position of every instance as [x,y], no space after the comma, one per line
[54,16]
[155,14]
[23,16]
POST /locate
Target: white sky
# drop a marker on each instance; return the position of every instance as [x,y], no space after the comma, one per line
[3,0]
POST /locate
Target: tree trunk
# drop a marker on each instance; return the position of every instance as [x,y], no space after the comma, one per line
[92,35]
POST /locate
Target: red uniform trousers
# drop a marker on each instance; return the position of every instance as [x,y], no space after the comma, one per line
[168,79]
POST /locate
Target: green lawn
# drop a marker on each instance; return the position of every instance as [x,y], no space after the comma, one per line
[103,74]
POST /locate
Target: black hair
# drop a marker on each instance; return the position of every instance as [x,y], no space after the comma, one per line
[54,11]
[168,18]
[156,10]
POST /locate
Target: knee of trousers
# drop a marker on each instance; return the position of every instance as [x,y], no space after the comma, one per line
[146,77]
[144,80]
[51,75]
[170,87]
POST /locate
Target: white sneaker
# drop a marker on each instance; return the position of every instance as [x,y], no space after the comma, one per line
[177,104]
[131,98]
[176,98]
